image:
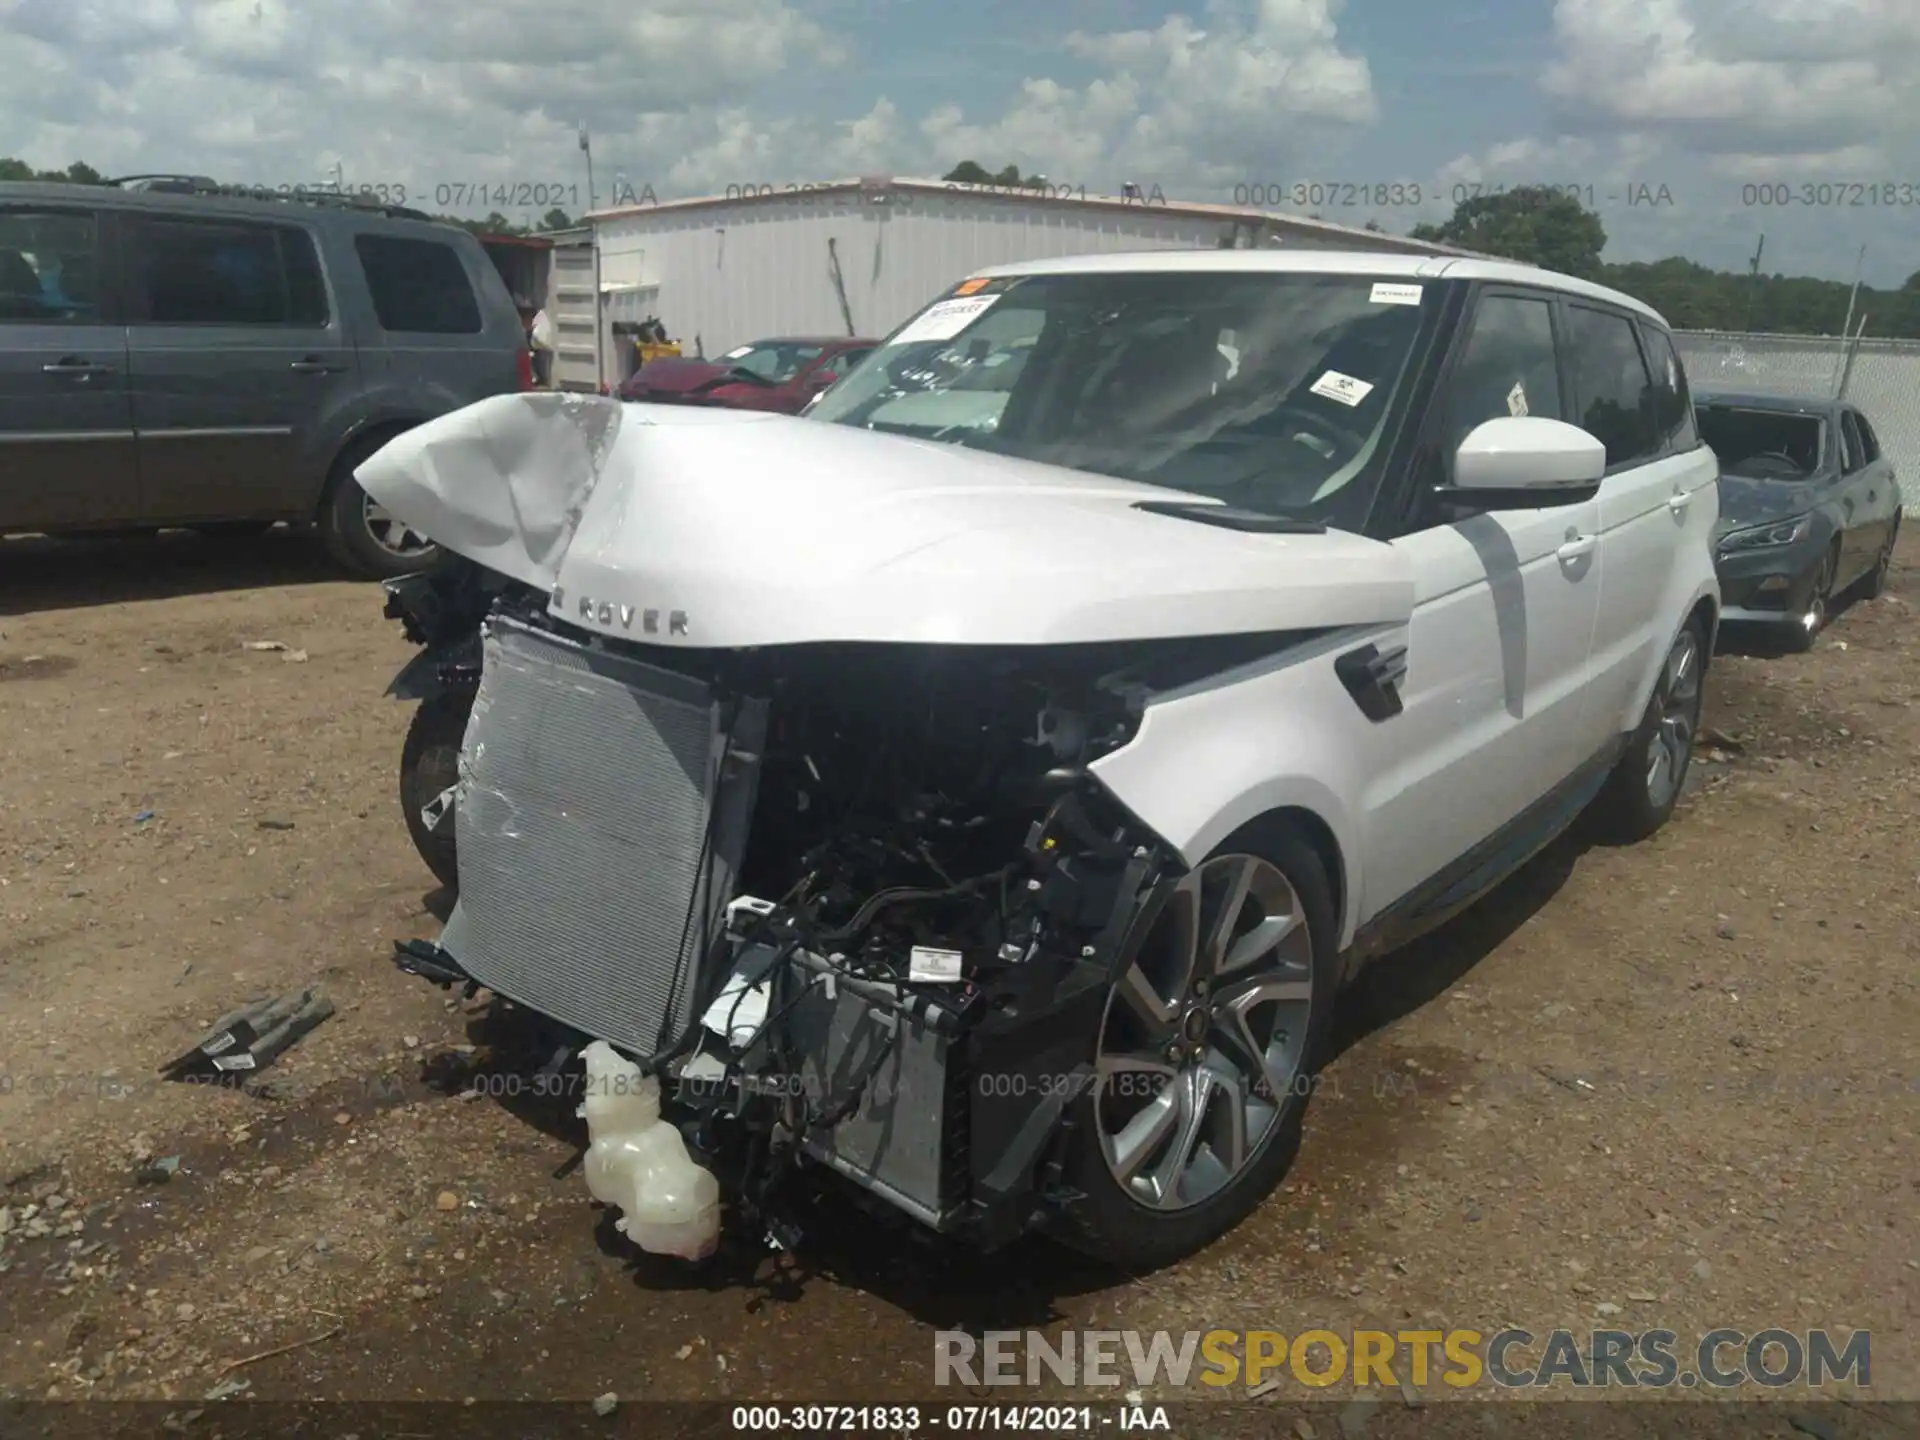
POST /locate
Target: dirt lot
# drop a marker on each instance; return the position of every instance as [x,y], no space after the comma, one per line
[1673,1084]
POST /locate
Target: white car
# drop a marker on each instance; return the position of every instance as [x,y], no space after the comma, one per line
[992,820]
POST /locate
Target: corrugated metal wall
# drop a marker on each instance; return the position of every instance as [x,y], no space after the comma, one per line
[571,307]
[732,273]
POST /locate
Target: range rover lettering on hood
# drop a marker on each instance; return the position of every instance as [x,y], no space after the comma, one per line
[604,614]
[782,531]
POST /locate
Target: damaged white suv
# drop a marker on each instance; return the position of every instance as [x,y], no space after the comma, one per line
[979,790]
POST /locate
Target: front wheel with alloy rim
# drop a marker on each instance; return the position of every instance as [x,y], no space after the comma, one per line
[1206,1053]
[360,533]
[1640,794]
[1805,628]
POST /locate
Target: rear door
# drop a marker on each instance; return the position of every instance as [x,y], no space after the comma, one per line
[1884,493]
[1631,395]
[448,332]
[66,426]
[239,365]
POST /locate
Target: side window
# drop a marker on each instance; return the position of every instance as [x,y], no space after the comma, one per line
[197,272]
[1508,366]
[306,289]
[847,359]
[1852,455]
[1616,392]
[1672,403]
[1869,442]
[49,266]
[419,287]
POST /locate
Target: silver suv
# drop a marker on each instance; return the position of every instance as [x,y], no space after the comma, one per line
[177,354]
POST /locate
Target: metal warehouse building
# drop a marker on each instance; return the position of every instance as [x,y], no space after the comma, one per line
[858,257]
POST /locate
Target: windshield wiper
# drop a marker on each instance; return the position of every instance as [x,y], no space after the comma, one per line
[1231,517]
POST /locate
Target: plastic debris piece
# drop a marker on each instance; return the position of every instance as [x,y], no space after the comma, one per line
[253,1036]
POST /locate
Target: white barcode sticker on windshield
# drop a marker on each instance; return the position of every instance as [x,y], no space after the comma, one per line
[1384,294]
[1344,388]
[946,319]
[737,352]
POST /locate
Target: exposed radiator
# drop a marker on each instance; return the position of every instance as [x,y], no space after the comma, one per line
[588,781]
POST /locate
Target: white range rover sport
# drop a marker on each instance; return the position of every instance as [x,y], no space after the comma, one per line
[969,799]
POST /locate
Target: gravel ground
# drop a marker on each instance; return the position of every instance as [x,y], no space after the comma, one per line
[1669,1085]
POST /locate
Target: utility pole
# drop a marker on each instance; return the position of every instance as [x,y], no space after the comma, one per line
[599,299]
[1753,281]
[1846,326]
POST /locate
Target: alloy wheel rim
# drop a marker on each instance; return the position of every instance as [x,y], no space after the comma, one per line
[1672,747]
[392,535]
[1205,1034]
[1816,617]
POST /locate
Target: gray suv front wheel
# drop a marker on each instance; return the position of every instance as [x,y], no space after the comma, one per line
[360,533]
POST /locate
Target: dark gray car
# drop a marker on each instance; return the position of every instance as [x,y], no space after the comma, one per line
[170,357]
[1809,509]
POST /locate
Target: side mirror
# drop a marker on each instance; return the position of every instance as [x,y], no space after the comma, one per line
[1526,462]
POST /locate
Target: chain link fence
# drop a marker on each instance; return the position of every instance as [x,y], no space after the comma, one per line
[1880,377]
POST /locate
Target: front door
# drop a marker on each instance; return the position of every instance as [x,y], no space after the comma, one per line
[239,364]
[1496,710]
[66,427]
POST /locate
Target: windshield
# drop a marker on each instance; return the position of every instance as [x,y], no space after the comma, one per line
[775,361]
[1267,391]
[1762,444]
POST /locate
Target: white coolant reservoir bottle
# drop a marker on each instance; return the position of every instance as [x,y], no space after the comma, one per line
[637,1162]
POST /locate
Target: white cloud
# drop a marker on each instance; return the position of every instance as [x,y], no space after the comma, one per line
[398,92]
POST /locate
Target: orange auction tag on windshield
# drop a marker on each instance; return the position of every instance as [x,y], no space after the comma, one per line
[967,287]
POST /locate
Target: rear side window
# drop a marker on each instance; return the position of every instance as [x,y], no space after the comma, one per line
[419,287]
[1508,366]
[198,272]
[1672,403]
[1616,392]
[49,267]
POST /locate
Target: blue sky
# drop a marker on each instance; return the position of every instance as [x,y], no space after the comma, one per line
[1724,103]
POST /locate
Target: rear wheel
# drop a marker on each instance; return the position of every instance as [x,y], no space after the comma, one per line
[429,767]
[1646,784]
[360,533]
[1207,1054]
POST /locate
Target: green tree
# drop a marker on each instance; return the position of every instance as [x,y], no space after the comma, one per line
[78,173]
[556,219]
[971,172]
[1534,224]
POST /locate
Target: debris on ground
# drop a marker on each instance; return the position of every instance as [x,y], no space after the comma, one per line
[606,1404]
[253,1036]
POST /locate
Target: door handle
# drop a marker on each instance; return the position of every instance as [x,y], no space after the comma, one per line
[72,365]
[1577,547]
[313,365]
[1679,501]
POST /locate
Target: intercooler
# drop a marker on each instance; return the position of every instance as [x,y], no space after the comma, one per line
[603,808]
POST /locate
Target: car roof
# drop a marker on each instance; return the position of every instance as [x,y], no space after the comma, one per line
[839,342]
[1778,404]
[1382,263]
[175,202]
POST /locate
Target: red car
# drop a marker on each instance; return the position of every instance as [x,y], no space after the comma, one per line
[779,375]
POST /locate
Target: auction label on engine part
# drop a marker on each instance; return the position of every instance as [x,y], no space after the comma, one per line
[938,967]
[945,319]
[1344,388]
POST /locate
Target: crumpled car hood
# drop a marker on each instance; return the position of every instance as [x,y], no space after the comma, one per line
[1755,502]
[718,528]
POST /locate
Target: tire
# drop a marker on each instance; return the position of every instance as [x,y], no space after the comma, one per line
[1874,583]
[356,531]
[1801,633]
[429,763]
[233,529]
[1137,1204]
[1638,799]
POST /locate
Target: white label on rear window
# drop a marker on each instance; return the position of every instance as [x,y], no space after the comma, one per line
[1396,295]
[1517,399]
[946,319]
[1344,388]
[737,352]
[939,967]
